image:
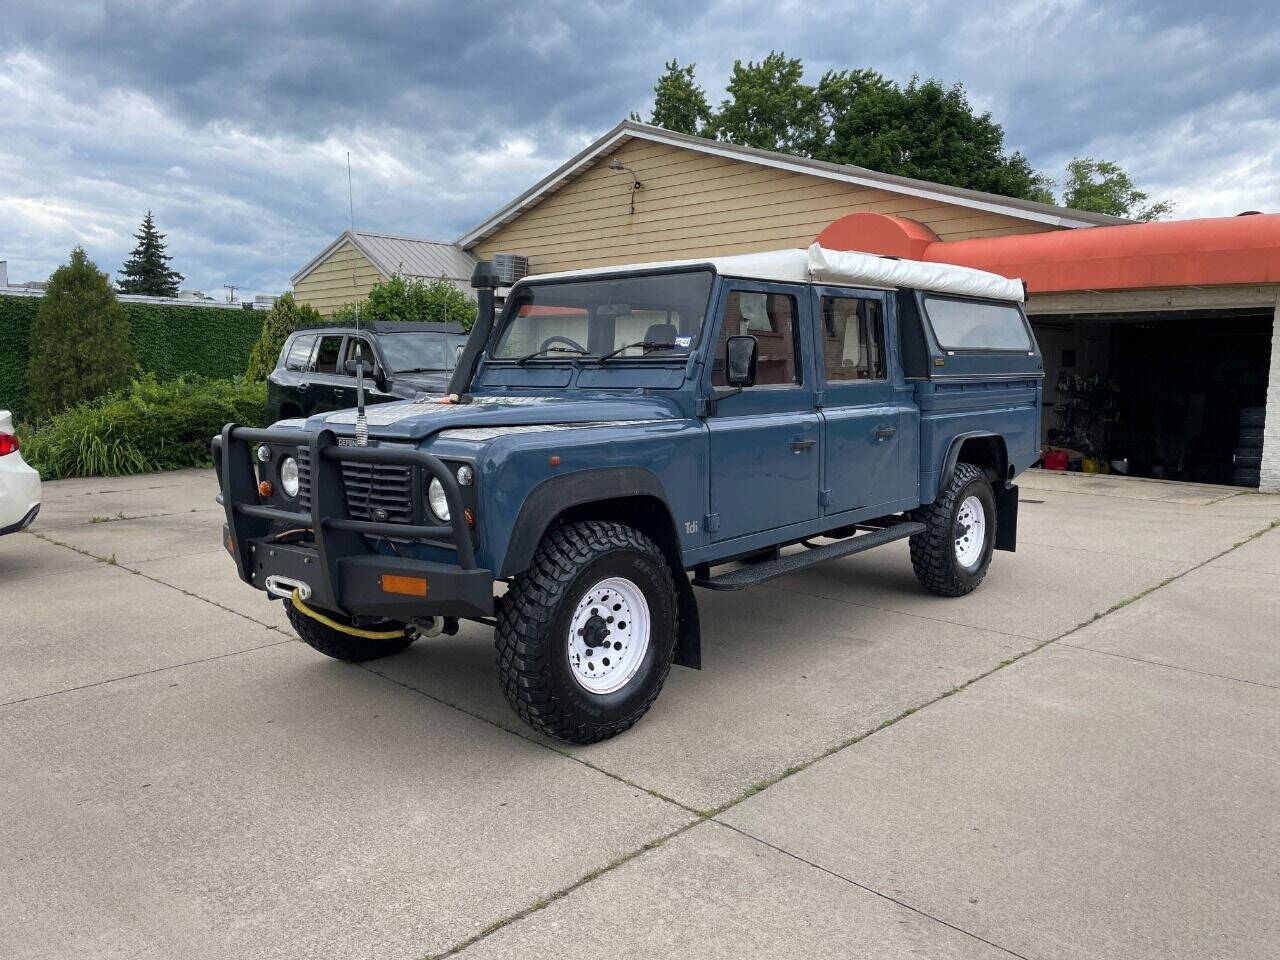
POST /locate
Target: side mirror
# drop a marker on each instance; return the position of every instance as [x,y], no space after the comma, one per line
[351,366]
[740,361]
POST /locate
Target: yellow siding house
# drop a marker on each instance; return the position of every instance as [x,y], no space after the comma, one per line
[347,269]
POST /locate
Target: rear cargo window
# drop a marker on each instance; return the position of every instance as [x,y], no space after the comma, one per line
[970,325]
[300,354]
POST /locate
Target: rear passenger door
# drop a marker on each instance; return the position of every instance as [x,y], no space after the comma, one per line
[860,403]
[764,441]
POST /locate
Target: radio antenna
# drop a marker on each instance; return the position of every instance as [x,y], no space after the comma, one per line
[362,424]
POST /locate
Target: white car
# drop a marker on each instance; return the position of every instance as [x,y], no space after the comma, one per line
[19,484]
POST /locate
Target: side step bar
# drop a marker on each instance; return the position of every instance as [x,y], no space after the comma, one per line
[751,575]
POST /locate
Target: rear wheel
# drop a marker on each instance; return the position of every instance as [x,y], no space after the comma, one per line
[586,635]
[952,555]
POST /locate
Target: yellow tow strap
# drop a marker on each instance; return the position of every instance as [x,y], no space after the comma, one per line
[319,617]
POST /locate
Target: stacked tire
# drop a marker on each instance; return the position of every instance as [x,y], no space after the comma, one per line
[1246,462]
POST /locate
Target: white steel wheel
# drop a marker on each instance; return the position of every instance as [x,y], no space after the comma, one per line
[971,532]
[609,635]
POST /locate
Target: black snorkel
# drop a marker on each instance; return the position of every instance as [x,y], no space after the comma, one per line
[484,280]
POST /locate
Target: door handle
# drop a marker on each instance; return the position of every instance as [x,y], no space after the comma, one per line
[802,443]
[885,432]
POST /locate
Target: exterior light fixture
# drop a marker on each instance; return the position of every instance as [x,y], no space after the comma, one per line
[616,165]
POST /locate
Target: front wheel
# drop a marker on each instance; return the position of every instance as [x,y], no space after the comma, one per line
[953,553]
[586,635]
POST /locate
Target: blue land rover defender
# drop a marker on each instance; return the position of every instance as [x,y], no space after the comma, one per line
[620,436]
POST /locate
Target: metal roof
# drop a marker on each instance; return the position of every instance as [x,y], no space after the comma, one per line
[406,256]
[630,130]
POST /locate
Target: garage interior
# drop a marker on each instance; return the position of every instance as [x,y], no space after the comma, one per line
[1175,395]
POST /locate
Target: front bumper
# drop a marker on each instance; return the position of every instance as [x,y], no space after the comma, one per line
[340,568]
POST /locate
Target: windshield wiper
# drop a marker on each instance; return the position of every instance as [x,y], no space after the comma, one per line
[421,370]
[647,345]
[537,353]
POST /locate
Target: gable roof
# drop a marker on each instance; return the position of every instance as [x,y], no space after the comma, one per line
[409,257]
[630,130]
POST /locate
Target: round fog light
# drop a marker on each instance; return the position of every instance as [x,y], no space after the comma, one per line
[465,475]
[289,476]
[264,453]
[436,499]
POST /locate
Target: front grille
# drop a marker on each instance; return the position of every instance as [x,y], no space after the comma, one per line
[370,488]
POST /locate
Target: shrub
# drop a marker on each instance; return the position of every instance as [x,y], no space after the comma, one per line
[283,319]
[168,340]
[80,340]
[411,299]
[150,425]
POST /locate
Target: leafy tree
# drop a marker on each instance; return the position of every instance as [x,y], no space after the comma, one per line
[925,130]
[285,317]
[679,104]
[147,269]
[412,299]
[79,339]
[1101,186]
[769,106]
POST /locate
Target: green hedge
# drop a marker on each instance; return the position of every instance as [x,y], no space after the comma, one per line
[168,341]
[152,425]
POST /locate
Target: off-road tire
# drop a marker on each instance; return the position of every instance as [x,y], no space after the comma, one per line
[1253,416]
[343,646]
[1247,458]
[933,552]
[533,629]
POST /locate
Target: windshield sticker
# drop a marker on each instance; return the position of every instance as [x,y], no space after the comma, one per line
[684,342]
[481,434]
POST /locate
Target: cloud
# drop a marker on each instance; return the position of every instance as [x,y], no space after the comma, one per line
[232,121]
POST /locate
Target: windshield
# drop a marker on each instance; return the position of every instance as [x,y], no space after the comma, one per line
[661,314]
[420,351]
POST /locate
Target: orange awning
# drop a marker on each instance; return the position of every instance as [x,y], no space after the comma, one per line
[1176,253]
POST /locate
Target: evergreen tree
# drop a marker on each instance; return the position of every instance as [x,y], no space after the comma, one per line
[147,269]
[79,339]
[285,317]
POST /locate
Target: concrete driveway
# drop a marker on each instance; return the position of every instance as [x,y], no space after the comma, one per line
[1080,760]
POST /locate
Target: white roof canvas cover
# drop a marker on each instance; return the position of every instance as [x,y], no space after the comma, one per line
[837,267]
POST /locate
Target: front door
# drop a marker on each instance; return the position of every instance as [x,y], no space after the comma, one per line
[861,409]
[765,454]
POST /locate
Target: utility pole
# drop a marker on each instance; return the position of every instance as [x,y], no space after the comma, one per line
[231,297]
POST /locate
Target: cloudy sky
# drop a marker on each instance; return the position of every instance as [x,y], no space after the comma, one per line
[232,120]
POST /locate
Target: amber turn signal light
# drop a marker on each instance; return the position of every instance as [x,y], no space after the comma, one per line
[409,586]
[264,488]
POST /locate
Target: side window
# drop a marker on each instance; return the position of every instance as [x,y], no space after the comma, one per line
[852,339]
[299,355]
[771,319]
[327,355]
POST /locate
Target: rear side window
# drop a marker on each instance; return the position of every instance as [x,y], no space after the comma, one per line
[771,319]
[299,354]
[852,339]
[969,325]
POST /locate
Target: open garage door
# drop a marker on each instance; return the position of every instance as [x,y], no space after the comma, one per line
[1179,396]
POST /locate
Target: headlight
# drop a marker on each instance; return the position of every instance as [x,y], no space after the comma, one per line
[289,476]
[436,499]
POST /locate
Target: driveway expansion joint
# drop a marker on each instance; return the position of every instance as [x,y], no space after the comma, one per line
[1169,666]
[702,816]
